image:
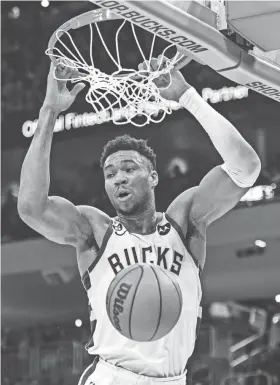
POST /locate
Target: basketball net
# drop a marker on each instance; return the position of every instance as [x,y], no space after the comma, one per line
[126,94]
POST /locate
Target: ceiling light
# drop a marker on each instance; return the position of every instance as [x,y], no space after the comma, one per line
[260,243]
[78,323]
[45,3]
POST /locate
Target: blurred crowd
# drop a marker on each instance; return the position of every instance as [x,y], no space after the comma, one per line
[21,340]
[43,354]
[55,355]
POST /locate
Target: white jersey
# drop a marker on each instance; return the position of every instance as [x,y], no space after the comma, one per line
[165,247]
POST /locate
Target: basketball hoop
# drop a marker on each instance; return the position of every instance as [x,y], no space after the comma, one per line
[127,93]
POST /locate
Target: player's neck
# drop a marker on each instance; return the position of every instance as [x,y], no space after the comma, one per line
[143,223]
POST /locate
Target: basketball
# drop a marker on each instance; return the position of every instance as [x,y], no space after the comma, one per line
[143,302]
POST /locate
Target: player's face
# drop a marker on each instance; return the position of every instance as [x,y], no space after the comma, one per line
[129,181]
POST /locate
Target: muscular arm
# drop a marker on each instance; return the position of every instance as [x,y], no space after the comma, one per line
[35,174]
[223,187]
[54,217]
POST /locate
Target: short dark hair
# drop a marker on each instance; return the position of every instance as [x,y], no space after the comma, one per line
[126,142]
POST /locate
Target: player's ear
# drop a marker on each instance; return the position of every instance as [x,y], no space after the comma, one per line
[154,178]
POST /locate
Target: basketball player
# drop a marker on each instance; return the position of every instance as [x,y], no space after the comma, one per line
[175,240]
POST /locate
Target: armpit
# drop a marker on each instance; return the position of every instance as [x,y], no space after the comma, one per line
[196,242]
[195,230]
[92,244]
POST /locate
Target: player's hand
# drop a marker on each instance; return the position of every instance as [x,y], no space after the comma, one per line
[171,87]
[58,97]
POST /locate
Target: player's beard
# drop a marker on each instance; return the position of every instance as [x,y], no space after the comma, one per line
[136,206]
[129,208]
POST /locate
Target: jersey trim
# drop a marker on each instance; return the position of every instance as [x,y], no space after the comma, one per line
[106,238]
[88,371]
[86,280]
[199,318]
[183,239]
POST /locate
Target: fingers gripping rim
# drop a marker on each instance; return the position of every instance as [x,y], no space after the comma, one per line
[126,93]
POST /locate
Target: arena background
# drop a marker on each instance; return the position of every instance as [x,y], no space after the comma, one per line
[44,307]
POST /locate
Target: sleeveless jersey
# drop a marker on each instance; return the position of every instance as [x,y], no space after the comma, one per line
[168,356]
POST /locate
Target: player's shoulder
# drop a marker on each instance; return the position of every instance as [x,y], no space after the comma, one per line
[98,220]
[93,212]
[180,208]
